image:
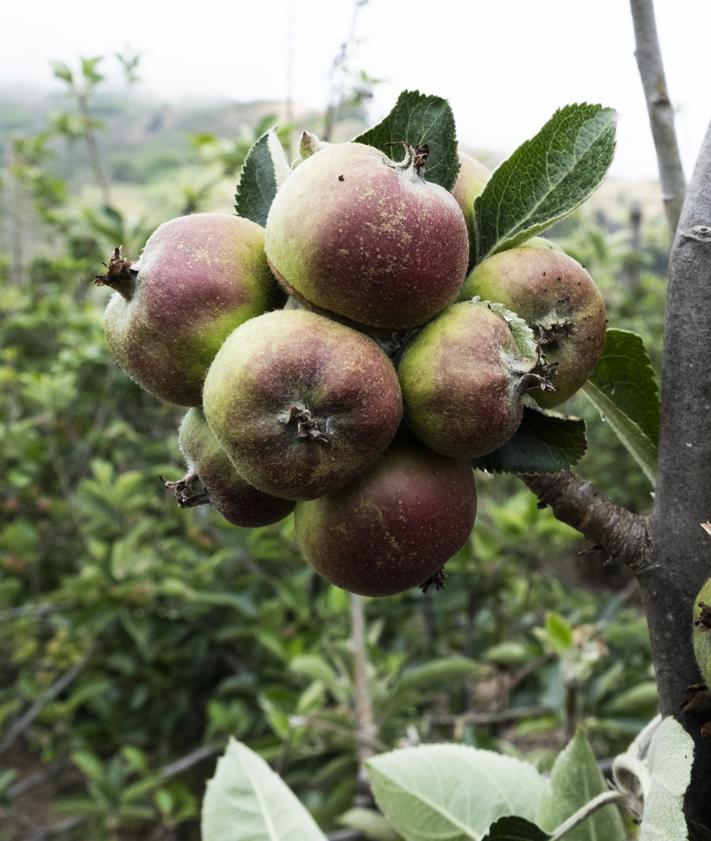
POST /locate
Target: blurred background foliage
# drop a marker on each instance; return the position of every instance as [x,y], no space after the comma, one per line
[136,637]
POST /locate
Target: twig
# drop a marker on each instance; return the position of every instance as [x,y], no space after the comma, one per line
[518,677]
[659,108]
[495,717]
[172,769]
[30,610]
[24,721]
[344,835]
[624,536]
[67,825]
[607,798]
[35,779]
[366,731]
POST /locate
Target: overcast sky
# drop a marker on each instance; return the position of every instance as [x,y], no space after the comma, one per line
[505,65]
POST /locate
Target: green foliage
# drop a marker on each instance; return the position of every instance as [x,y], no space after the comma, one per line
[247,799]
[186,631]
[420,790]
[575,780]
[623,388]
[543,443]
[419,119]
[265,168]
[546,178]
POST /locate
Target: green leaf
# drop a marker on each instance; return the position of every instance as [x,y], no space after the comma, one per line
[559,632]
[418,119]
[451,791]
[669,761]
[314,667]
[546,178]
[636,699]
[545,442]
[264,170]
[515,829]
[369,823]
[89,765]
[575,780]
[435,672]
[247,801]
[623,388]
[62,71]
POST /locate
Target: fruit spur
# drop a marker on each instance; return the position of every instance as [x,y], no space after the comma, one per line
[348,360]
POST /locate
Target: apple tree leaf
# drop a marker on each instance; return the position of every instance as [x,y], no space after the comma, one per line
[452,791]
[575,780]
[545,179]
[623,388]
[419,119]
[247,801]
[263,172]
[544,442]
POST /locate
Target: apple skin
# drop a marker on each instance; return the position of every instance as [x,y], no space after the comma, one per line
[236,500]
[392,528]
[198,277]
[462,379]
[558,299]
[364,238]
[470,183]
[300,403]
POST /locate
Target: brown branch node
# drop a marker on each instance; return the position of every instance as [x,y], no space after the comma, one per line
[622,535]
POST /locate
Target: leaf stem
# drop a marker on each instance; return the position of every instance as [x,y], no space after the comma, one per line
[605,799]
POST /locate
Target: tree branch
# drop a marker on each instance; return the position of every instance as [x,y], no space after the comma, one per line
[621,534]
[24,721]
[682,548]
[659,108]
[366,731]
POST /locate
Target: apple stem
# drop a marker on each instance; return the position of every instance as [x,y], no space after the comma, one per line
[531,380]
[415,158]
[119,275]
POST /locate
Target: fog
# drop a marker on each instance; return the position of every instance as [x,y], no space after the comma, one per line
[504,66]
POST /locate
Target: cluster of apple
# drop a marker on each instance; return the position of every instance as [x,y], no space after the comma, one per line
[347,362]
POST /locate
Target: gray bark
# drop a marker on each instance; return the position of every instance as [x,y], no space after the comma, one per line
[681,547]
[659,108]
[671,551]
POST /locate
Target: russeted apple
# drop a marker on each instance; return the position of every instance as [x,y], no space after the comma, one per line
[463,378]
[208,465]
[367,238]
[300,403]
[559,300]
[197,278]
[394,526]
